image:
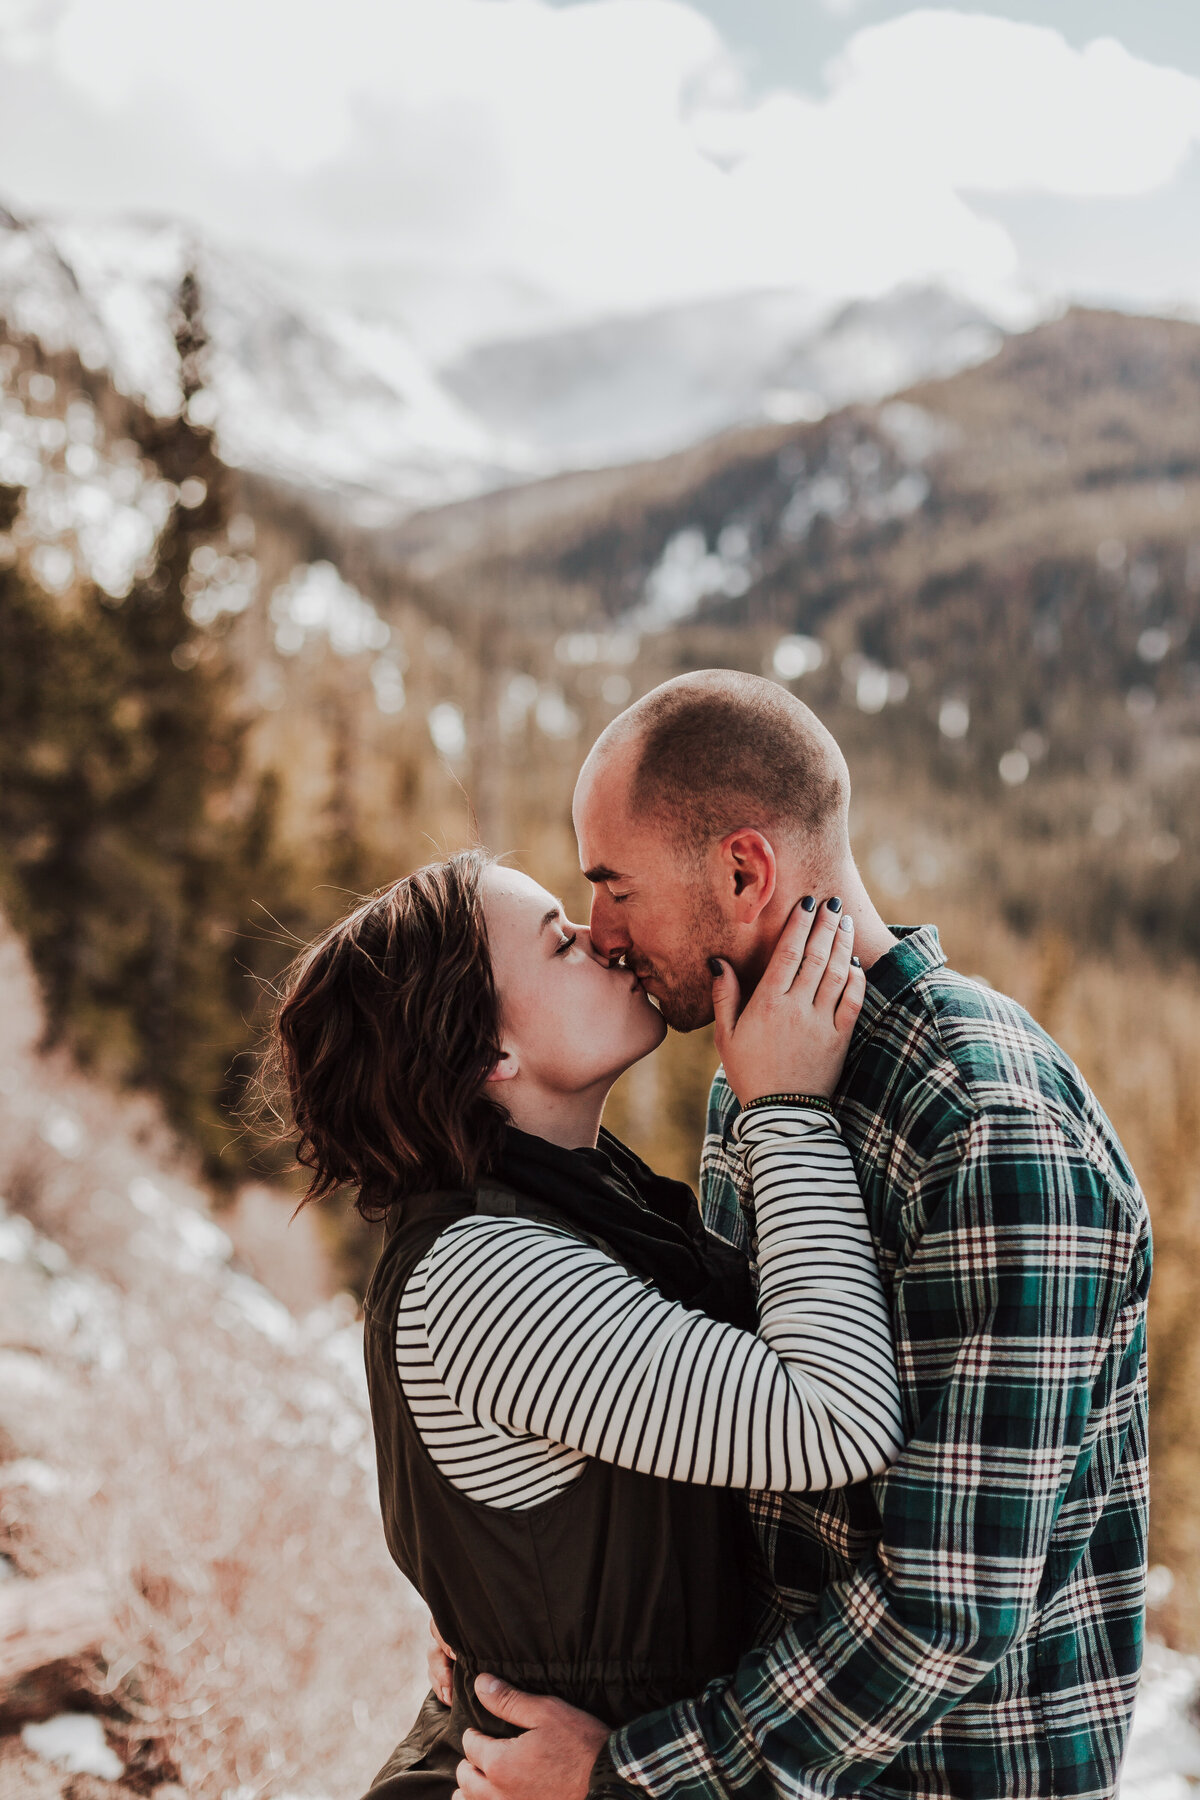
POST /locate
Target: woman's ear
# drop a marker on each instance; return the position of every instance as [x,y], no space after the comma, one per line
[506,1067]
[749,873]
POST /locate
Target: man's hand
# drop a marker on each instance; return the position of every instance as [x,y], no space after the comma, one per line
[551,1760]
[793,1035]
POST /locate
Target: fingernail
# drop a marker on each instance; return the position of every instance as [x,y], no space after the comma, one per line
[486,1684]
[808,903]
[835,904]
[716,967]
[847,923]
[854,963]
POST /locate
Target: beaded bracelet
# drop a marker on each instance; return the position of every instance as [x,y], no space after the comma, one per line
[818,1101]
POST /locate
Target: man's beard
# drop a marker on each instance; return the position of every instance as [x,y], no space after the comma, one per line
[685,1000]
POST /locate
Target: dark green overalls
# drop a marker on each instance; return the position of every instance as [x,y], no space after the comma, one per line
[619,1595]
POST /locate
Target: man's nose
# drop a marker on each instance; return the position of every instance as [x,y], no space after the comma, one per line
[604,928]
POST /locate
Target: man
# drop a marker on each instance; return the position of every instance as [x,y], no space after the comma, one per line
[968,1624]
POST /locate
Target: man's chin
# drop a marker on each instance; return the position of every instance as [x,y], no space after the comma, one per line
[686,1012]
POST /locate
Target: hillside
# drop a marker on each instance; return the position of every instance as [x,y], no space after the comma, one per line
[173,1437]
[207,732]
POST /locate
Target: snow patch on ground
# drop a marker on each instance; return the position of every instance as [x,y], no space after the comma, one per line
[74,1742]
[1163,1760]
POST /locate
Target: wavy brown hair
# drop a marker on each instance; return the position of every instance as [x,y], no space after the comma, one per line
[385,1032]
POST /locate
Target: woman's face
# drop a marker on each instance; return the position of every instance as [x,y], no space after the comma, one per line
[570,1020]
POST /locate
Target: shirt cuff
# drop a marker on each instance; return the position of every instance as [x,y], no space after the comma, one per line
[607,1782]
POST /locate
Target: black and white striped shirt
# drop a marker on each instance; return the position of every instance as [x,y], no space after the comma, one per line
[523,1351]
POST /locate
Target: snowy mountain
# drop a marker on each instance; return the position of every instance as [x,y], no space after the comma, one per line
[321,396]
[639,387]
[308,394]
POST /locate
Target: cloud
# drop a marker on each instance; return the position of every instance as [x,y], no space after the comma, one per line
[988,103]
[604,152]
[929,108]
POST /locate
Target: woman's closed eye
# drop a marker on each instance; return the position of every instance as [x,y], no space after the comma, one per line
[567,942]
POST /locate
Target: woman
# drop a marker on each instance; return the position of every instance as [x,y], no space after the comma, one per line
[567,1383]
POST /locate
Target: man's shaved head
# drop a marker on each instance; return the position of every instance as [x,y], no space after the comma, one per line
[715,750]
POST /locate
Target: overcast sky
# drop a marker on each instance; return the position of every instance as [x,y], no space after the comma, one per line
[617,154]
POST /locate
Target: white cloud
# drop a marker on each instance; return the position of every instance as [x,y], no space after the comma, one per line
[605,152]
[992,104]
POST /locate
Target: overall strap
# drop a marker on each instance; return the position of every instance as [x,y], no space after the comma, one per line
[496,1202]
[416,1223]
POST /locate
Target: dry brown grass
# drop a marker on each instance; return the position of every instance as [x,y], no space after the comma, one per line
[165,1420]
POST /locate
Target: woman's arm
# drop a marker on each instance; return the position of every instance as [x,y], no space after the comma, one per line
[534,1333]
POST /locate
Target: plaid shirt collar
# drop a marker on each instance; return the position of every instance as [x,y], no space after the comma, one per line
[919,952]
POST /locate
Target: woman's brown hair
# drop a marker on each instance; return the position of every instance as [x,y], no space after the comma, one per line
[385,1032]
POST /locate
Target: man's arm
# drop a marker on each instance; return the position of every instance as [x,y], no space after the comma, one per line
[1005,1315]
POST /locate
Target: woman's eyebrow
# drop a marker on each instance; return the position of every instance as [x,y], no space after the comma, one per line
[549,918]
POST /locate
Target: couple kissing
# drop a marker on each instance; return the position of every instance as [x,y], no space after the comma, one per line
[835,1484]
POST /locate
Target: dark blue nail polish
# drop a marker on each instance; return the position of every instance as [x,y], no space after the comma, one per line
[854,963]
[716,967]
[808,903]
[835,904]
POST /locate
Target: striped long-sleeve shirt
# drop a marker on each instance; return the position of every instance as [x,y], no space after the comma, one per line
[971,1623]
[523,1351]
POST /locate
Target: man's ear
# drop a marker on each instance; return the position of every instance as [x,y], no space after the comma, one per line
[749,873]
[506,1067]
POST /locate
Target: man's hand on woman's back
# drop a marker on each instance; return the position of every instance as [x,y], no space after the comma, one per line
[553,1759]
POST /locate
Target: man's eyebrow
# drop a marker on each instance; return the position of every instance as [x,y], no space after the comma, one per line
[601,873]
[548,918]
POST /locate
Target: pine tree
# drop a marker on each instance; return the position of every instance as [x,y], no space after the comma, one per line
[131,852]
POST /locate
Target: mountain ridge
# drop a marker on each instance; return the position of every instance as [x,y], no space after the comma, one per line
[347,403]
[627,389]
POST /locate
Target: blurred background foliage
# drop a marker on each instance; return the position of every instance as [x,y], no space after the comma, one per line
[989,589]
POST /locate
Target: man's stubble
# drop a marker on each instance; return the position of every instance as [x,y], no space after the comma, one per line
[684,993]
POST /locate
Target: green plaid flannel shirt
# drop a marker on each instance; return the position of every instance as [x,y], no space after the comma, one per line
[969,1623]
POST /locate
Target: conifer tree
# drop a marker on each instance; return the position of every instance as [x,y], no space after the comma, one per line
[131,851]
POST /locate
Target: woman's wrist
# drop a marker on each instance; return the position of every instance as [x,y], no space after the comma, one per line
[813,1102]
